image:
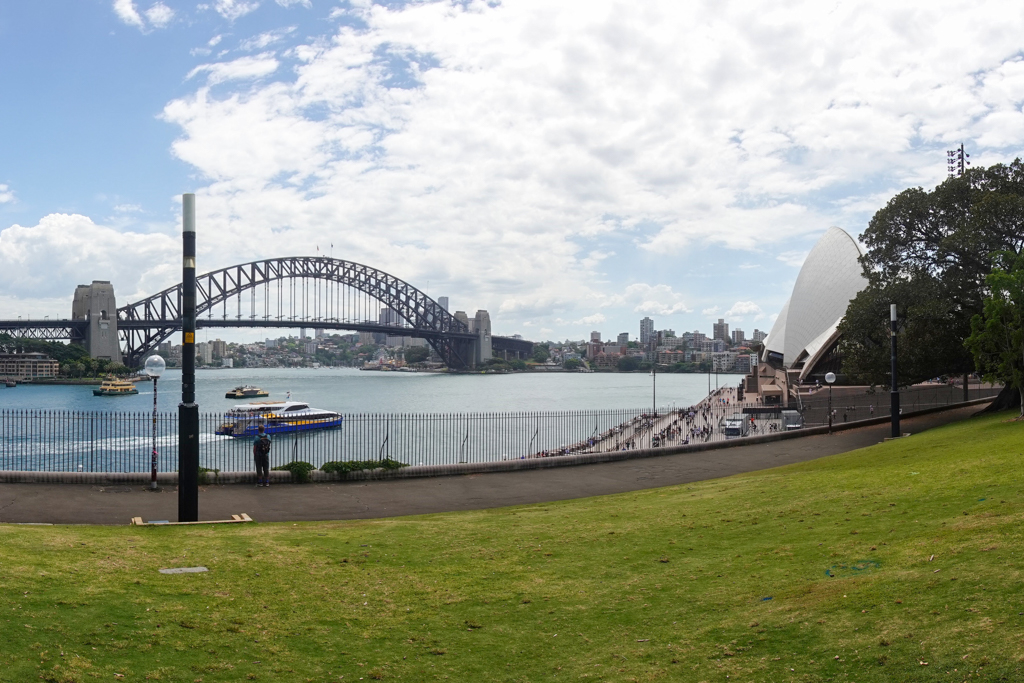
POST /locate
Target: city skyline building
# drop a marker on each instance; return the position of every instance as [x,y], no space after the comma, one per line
[720,330]
[646,330]
[623,338]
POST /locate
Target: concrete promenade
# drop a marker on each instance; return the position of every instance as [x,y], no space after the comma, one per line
[89,504]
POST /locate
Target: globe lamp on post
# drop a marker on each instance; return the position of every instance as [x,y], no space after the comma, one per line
[154,367]
[830,377]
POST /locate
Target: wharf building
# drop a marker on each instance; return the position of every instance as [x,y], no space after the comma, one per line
[27,366]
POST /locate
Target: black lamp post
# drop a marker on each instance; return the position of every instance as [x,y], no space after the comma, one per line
[188,411]
[154,367]
[894,394]
[829,379]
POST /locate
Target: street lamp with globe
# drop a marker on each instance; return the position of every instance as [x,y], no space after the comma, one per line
[154,367]
[830,377]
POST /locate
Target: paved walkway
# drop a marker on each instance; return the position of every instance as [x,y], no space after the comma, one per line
[81,504]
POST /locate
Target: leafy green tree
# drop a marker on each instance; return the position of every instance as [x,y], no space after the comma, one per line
[628,364]
[997,334]
[929,253]
[541,353]
[417,354]
[573,364]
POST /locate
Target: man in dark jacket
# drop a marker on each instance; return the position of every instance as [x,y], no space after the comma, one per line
[261,454]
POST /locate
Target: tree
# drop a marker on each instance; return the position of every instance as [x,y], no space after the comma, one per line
[997,335]
[628,364]
[417,354]
[929,253]
[541,353]
[573,364]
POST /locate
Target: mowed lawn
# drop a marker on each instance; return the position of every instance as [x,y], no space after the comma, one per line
[899,562]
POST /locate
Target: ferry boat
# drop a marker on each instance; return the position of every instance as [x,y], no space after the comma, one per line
[115,387]
[277,417]
[247,391]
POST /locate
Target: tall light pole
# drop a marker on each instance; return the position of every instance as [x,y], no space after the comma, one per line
[894,394]
[155,367]
[956,161]
[829,379]
[188,411]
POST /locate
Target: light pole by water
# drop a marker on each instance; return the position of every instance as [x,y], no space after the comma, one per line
[829,379]
[654,389]
[894,394]
[155,367]
[188,411]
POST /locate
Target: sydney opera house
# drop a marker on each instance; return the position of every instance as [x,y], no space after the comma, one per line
[805,337]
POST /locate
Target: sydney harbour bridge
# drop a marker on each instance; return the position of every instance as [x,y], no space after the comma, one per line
[291,292]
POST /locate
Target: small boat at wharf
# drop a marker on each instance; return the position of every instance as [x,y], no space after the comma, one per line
[276,417]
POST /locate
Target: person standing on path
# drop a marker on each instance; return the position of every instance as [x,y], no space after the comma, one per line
[261,454]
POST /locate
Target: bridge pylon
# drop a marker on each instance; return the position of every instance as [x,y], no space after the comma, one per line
[96,304]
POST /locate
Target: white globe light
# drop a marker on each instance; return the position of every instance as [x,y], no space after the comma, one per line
[830,377]
[155,366]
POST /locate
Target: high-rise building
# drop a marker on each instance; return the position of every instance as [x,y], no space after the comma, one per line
[646,330]
[737,338]
[721,330]
[442,301]
[204,352]
[302,333]
[759,335]
[623,338]
[220,348]
[595,336]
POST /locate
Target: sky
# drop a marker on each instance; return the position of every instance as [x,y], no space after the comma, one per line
[568,166]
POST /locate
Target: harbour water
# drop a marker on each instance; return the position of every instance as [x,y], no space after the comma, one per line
[349,390]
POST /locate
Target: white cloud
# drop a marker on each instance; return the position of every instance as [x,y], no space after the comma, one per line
[793,258]
[489,147]
[595,319]
[650,299]
[711,312]
[243,68]
[289,3]
[49,259]
[264,39]
[744,309]
[159,15]
[126,12]
[6,194]
[235,9]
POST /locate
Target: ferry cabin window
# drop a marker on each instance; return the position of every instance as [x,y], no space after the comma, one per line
[300,406]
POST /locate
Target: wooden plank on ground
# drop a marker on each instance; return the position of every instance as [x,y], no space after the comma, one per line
[235,519]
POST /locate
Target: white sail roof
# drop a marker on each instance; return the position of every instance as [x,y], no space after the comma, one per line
[830,277]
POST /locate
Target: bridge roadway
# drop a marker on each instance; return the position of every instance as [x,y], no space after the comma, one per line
[84,504]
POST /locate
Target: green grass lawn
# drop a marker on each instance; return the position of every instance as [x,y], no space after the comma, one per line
[899,562]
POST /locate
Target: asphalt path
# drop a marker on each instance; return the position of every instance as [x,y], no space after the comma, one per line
[91,504]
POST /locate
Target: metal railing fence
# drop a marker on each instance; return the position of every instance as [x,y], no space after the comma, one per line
[69,441]
[858,403]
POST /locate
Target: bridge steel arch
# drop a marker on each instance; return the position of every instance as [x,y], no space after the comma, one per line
[145,324]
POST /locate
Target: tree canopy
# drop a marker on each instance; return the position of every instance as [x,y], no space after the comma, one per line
[997,335]
[930,254]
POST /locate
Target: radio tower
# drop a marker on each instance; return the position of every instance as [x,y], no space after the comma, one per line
[956,161]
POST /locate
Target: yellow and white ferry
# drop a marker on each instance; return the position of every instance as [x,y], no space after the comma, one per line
[115,387]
